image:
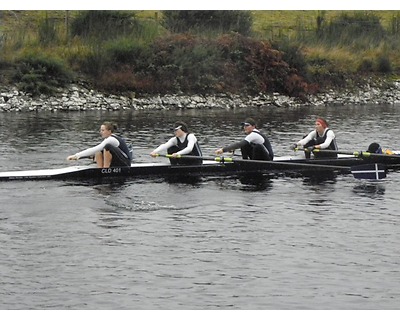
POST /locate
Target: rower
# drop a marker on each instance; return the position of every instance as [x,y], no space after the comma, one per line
[183,143]
[320,138]
[255,146]
[112,152]
[376,148]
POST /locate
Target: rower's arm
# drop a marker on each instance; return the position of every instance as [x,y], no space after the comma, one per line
[100,147]
[164,147]
[236,145]
[307,139]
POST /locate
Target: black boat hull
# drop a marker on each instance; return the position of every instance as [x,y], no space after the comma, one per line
[283,165]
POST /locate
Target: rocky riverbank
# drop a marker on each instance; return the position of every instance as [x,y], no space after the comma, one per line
[77,98]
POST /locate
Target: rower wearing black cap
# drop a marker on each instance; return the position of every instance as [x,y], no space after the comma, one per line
[376,148]
[184,143]
[255,146]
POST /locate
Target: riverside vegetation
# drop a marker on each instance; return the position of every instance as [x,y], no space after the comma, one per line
[240,53]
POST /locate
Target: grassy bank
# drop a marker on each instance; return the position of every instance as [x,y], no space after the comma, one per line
[312,50]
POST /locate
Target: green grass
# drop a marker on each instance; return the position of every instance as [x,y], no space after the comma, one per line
[263,20]
[289,19]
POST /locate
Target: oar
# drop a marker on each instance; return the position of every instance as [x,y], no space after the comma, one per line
[231,160]
[359,154]
[309,149]
[359,171]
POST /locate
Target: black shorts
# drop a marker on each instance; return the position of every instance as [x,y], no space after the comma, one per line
[255,152]
[119,159]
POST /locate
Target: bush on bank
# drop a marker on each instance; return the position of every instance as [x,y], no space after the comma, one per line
[39,74]
[189,64]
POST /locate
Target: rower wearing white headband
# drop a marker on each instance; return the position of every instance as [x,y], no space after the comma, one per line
[184,143]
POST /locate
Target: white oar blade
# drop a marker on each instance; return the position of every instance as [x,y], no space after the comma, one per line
[370,171]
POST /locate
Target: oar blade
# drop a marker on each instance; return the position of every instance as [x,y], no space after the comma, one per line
[370,171]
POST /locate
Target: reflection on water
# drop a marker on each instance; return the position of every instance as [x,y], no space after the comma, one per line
[191,180]
[256,182]
[244,182]
[108,188]
[375,190]
[319,178]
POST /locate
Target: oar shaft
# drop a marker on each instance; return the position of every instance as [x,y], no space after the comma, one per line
[292,163]
[264,162]
[180,156]
[353,153]
[359,154]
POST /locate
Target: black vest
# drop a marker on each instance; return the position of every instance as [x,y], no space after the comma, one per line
[123,146]
[266,144]
[196,148]
[319,140]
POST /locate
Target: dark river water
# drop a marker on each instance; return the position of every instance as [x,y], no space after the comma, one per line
[216,243]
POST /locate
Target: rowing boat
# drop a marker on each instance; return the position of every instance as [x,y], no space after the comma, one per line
[210,166]
[135,170]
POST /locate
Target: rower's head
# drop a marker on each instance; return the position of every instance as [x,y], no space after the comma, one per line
[249,125]
[107,129]
[320,125]
[374,148]
[180,128]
